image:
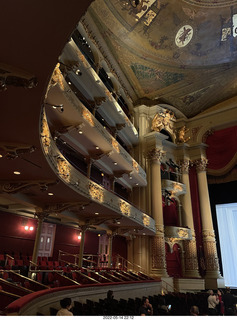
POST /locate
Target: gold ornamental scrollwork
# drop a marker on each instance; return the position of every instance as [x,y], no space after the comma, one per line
[182,135]
[57,77]
[163,120]
[63,169]
[125,208]
[115,145]
[155,154]
[135,165]
[45,135]
[183,233]
[96,192]
[88,117]
[109,95]
[146,220]
[184,165]
[201,164]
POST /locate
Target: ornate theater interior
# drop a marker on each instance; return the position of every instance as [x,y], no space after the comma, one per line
[117,141]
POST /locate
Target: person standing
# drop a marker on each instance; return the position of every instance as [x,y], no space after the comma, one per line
[229,302]
[213,301]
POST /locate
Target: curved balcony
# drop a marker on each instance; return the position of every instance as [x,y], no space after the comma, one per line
[129,217]
[81,130]
[107,106]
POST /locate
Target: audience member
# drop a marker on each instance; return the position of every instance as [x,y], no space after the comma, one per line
[213,301]
[220,307]
[146,308]
[66,305]
[229,302]
[194,311]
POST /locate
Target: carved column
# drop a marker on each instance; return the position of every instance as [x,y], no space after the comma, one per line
[190,246]
[209,241]
[158,260]
[41,216]
[110,238]
[80,260]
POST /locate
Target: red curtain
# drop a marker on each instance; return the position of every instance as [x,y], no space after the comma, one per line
[222,146]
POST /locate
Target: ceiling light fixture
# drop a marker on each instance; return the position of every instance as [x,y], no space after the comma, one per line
[50,194]
[16,172]
[54,106]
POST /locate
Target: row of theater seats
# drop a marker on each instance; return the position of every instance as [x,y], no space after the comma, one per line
[180,305]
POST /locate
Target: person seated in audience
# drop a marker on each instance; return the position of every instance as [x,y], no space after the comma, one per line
[162,307]
[146,308]
[66,305]
[213,301]
[194,311]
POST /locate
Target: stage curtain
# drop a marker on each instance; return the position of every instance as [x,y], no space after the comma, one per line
[222,147]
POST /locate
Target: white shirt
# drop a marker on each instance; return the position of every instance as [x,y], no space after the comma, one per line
[212,302]
[64,312]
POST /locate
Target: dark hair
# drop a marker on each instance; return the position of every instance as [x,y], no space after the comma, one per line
[110,294]
[144,300]
[66,302]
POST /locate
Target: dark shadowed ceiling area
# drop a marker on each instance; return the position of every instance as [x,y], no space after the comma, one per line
[177,52]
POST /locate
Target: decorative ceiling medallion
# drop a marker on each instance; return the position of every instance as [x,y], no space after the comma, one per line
[211,3]
[184,36]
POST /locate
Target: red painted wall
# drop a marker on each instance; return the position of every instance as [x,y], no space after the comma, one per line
[14,237]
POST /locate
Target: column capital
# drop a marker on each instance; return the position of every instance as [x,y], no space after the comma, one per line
[201,164]
[155,154]
[41,215]
[184,165]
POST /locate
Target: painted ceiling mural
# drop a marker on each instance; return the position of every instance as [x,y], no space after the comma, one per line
[173,51]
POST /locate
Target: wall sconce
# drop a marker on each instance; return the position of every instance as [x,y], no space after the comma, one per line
[29,228]
[79,236]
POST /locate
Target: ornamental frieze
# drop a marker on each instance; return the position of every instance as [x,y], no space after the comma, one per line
[125,208]
[57,77]
[45,135]
[88,117]
[63,169]
[135,165]
[146,220]
[96,192]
